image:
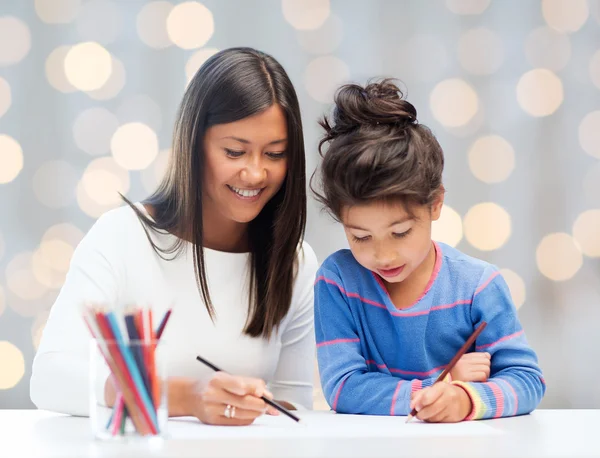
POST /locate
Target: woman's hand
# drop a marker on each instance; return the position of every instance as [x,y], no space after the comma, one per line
[230,400]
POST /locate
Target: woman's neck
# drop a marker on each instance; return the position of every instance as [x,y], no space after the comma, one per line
[218,233]
[221,234]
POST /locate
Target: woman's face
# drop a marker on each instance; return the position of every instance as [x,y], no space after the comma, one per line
[245,164]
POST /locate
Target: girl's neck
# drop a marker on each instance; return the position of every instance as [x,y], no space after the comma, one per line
[407,292]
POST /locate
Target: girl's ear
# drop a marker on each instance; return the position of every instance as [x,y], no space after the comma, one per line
[438,203]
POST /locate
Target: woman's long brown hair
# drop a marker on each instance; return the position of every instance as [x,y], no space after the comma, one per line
[232,85]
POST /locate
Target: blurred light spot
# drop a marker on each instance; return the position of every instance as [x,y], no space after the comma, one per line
[12,364]
[472,127]
[88,66]
[2,246]
[63,231]
[113,86]
[134,146]
[50,262]
[516,285]
[589,133]
[595,9]
[558,256]
[55,70]
[21,281]
[11,159]
[547,48]
[591,185]
[5,96]
[15,40]
[586,231]
[100,21]
[595,69]
[491,159]
[424,58]
[190,25]
[54,182]
[57,11]
[454,102]
[323,40]
[323,76]
[97,191]
[151,24]
[196,60]
[93,129]
[140,108]
[565,15]
[152,176]
[2,301]
[448,228]
[487,226]
[480,51]
[306,14]
[540,92]
[467,7]
[37,329]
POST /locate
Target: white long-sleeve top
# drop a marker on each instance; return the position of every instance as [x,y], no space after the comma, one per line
[115,264]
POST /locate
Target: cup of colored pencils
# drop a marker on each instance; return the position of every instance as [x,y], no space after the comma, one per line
[127,350]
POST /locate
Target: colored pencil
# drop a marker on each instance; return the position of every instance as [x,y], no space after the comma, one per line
[454,360]
[274,404]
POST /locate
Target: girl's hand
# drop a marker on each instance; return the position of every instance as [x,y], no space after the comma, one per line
[442,403]
[472,367]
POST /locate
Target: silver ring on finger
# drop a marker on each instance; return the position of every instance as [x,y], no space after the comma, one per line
[229,411]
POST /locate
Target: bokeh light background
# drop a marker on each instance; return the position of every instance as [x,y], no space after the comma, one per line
[89,90]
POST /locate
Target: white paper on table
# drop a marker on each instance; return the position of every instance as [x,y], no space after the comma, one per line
[327,424]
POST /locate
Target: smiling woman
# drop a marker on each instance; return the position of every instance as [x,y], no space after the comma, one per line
[221,240]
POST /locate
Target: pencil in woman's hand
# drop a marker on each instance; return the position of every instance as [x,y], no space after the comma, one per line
[273,404]
[454,360]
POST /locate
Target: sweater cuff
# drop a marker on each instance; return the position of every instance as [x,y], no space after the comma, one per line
[477,407]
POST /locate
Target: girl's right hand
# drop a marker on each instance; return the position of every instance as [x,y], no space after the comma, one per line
[210,402]
[472,367]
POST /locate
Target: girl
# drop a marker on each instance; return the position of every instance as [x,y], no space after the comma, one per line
[393,310]
[222,240]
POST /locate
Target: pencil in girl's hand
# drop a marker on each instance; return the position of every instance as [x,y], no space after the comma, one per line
[454,360]
[273,404]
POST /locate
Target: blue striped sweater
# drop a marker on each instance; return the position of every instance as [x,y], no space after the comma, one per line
[372,356]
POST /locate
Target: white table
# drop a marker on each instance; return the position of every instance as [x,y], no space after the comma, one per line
[545,433]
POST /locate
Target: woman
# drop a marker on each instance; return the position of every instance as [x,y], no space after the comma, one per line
[221,241]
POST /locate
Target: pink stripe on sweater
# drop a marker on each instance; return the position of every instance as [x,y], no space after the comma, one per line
[418,374]
[514,394]
[395,397]
[405,372]
[383,306]
[499,395]
[511,336]
[343,291]
[416,386]
[371,362]
[336,341]
[485,283]
[337,395]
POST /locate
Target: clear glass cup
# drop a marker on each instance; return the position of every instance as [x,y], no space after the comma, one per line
[138,371]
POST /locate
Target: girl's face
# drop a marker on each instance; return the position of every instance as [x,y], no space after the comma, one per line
[387,240]
[245,164]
